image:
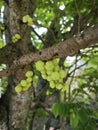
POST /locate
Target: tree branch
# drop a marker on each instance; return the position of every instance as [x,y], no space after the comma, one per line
[66,48]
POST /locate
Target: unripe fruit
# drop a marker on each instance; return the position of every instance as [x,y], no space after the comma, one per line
[25,18]
[43,72]
[55,76]
[25,89]
[49,78]
[29,80]
[60,80]
[40,65]
[18,88]
[49,72]
[23,83]
[57,68]
[44,76]
[30,21]
[29,74]
[29,85]
[52,84]
[15,38]
[49,65]
[62,73]
[59,86]
[55,61]
[52,73]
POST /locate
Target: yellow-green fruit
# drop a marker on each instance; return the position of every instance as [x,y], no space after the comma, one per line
[25,18]
[57,68]
[25,89]
[49,65]
[52,84]
[30,21]
[29,74]
[60,80]
[14,39]
[55,61]
[55,76]
[23,83]
[18,88]
[49,72]
[62,73]
[43,72]
[29,80]
[40,65]
[44,76]
[29,85]
[17,36]
[49,78]
[59,86]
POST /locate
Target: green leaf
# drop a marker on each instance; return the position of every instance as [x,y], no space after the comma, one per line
[83,115]
[74,120]
[61,109]
[56,109]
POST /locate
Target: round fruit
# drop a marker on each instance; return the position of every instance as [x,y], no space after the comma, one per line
[29,85]
[52,84]
[25,19]
[18,88]
[30,21]
[29,74]
[57,68]
[17,36]
[23,83]
[25,89]
[59,86]
[40,65]
[49,72]
[49,78]
[55,76]
[62,73]
[49,65]
[43,72]
[29,80]
[44,76]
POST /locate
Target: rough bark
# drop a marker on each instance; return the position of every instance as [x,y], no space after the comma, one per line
[66,48]
[17,105]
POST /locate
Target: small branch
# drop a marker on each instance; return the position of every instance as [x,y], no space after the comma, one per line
[78,67]
[6,72]
[38,36]
[73,74]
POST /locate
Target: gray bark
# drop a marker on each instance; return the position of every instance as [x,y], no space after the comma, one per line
[15,106]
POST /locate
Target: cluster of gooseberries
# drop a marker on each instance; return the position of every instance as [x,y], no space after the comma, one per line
[15,38]
[27,19]
[52,72]
[25,84]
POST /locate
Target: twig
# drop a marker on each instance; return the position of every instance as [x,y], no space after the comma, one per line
[38,36]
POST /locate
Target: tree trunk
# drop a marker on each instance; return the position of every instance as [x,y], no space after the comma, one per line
[14,107]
